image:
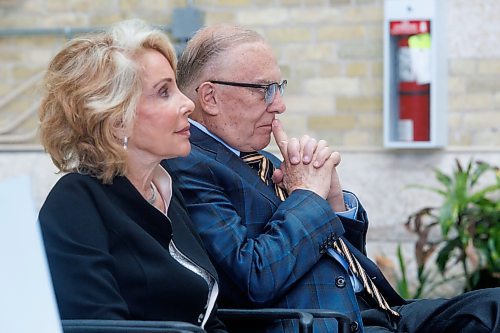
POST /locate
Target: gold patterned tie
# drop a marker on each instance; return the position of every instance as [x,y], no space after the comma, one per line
[370,287]
[265,170]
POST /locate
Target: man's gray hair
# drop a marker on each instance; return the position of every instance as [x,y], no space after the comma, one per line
[204,53]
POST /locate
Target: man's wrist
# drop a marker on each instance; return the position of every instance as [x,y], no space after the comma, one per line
[337,203]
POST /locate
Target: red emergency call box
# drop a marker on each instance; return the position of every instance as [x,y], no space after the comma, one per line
[414,75]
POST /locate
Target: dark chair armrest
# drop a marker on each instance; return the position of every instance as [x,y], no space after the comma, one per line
[127,326]
[344,322]
[305,316]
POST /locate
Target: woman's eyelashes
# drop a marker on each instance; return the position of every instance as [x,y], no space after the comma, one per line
[163,92]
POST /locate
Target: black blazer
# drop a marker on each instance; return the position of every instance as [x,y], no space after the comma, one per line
[108,254]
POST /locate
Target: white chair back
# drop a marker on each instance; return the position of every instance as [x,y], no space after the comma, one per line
[27,302]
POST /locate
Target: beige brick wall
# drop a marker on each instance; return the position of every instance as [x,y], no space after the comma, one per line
[331,53]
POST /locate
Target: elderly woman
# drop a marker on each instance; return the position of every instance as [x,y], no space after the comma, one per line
[116,232]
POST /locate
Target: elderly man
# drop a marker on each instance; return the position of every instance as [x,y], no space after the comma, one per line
[301,247]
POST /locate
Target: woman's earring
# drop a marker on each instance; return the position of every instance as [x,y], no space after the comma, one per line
[125,142]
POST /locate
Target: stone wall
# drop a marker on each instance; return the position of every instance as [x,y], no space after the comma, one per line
[331,53]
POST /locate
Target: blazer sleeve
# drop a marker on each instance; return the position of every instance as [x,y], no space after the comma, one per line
[77,248]
[266,266]
[355,228]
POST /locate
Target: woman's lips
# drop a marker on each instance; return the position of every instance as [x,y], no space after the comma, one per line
[184,131]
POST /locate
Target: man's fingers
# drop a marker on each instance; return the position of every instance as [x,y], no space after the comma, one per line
[277,176]
[304,139]
[281,138]
[322,156]
[294,151]
[309,150]
[335,156]
[278,131]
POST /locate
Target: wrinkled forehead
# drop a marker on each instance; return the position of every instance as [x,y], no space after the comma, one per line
[254,61]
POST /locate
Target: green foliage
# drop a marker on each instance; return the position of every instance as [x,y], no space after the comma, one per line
[423,277]
[469,221]
[402,284]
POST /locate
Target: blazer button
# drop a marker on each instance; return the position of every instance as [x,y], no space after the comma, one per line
[354,326]
[200,318]
[340,281]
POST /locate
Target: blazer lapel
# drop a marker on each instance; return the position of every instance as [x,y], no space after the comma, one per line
[159,227]
[186,239]
[145,215]
[232,161]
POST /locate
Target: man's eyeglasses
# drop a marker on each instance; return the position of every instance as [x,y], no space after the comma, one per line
[270,89]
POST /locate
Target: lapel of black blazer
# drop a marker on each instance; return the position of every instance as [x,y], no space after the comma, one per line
[141,212]
[157,225]
[223,155]
[185,238]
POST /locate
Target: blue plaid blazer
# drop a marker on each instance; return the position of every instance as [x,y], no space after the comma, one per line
[269,253]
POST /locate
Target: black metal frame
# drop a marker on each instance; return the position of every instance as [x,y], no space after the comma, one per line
[304,316]
[127,326]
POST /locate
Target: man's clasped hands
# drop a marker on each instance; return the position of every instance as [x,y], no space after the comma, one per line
[308,164]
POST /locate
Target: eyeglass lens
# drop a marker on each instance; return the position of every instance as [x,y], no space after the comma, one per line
[272,90]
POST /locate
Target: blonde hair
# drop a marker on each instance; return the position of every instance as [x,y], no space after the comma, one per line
[204,53]
[91,91]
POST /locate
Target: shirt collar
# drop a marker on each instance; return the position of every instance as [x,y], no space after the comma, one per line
[205,130]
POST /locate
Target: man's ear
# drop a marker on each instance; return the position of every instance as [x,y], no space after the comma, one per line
[208,99]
